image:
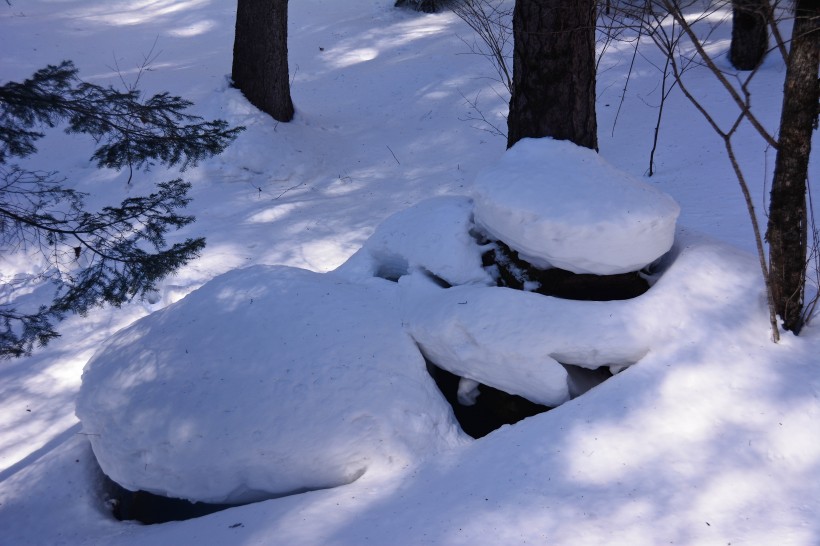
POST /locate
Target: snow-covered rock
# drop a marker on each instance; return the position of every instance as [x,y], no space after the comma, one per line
[562,205]
[514,340]
[433,236]
[266,380]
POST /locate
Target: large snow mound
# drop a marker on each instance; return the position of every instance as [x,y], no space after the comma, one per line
[562,205]
[265,381]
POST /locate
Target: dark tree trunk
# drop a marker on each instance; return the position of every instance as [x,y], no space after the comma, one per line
[750,38]
[260,56]
[553,92]
[787,229]
[427,6]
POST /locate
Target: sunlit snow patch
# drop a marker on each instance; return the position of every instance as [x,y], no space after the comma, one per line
[266,380]
[561,205]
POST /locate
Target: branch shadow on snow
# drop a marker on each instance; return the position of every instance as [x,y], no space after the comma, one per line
[39,391]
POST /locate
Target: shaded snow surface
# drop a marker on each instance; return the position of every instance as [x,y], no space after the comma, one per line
[565,206]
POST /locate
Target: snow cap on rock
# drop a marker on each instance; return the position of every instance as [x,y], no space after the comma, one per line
[433,235]
[561,205]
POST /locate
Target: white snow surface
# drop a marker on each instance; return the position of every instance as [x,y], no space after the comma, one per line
[334,386]
[562,205]
[709,438]
[434,236]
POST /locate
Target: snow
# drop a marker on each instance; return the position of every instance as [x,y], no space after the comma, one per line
[707,437]
[349,388]
[516,341]
[563,205]
[339,389]
[434,236]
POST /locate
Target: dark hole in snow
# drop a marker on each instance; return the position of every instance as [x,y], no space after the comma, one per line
[492,408]
[583,379]
[513,272]
[393,270]
[149,508]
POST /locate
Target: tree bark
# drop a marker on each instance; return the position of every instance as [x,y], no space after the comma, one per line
[750,38]
[553,92]
[427,6]
[260,56]
[788,229]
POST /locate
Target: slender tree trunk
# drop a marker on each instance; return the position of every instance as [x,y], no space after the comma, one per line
[750,38]
[553,92]
[260,56]
[787,229]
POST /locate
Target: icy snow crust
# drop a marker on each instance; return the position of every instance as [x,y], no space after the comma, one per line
[563,205]
[266,381]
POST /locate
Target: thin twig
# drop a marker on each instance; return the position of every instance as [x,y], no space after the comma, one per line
[726,136]
[394,155]
[626,83]
[674,11]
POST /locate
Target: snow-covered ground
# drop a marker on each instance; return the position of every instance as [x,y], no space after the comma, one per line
[709,437]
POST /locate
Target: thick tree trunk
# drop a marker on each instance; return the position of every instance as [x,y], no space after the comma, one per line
[260,56]
[787,229]
[750,38]
[553,92]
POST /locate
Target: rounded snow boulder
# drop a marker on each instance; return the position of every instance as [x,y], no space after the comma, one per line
[265,381]
[562,205]
[432,236]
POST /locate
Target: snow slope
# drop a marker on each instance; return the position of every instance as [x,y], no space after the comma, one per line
[709,439]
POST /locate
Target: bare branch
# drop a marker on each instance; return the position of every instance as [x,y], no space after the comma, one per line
[675,12]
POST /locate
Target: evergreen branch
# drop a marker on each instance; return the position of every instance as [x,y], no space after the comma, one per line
[119,252]
[115,239]
[131,132]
